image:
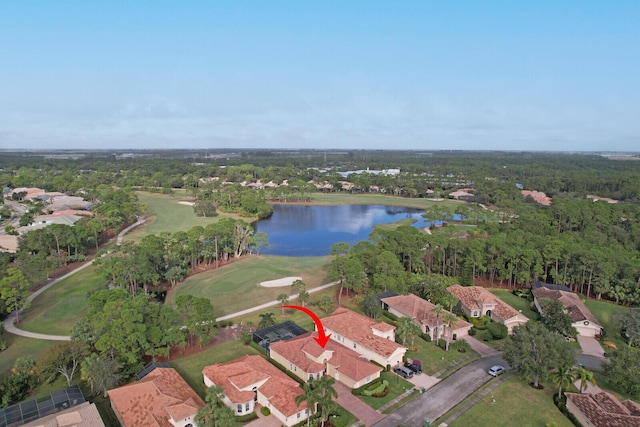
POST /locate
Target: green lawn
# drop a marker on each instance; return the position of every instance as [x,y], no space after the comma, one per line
[20,347]
[434,359]
[522,304]
[190,367]
[236,286]
[515,404]
[604,311]
[295,316]
[397,387]
[167,214]
[378,199]
[60,307]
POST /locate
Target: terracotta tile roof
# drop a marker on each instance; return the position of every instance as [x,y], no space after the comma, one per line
[537,196]
[604,410]
[576,309]
[146,403]
[358,328]
[238,377]
[419,309]
[348,362]
[474,296]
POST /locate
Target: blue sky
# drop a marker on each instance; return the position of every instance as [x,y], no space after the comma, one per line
[425,75]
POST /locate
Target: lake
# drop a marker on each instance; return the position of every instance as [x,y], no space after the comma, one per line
[299,230]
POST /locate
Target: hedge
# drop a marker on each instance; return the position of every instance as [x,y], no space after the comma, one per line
[247,417]
[562,406]
[378,390]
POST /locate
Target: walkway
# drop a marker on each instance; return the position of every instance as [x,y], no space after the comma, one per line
[9,322]
[272,303]
[365,413]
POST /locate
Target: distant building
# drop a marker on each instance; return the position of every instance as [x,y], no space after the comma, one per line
[604,199]
[462,194]
[537,196]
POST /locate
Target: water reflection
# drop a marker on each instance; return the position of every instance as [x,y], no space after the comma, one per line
[297,230]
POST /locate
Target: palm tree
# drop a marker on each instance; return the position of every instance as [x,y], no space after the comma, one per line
[284,300]
[449,319]
[215,413]
[266,319]
[309,395]
[437,309]
[407,329]
[562,377]
[325,395]
[303,297]
[585,376]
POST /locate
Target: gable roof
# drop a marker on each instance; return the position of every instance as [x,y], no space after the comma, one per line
[473,297]
[237,378]
[604,410]
[151,401]
[359,329]
[347,361]
[419,309]
[553,286]
[576,309]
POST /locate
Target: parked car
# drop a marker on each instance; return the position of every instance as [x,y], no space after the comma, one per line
[496,370]
[413,367]
[405,373]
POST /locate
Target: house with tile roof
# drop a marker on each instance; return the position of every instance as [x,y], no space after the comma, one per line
[477,301]
[603,410]
[84,415]
[537,196]
[367,337]
[304,358]
[161,399]
[581,317]
[251,379]
[421,311]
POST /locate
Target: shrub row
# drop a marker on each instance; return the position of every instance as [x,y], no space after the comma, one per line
[378,390]
[248,417]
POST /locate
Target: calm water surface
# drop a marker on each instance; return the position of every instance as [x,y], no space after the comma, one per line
[297,230]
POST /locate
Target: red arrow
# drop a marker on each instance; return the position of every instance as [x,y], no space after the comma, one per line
[322,338]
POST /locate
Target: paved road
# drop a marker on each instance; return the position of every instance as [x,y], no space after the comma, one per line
[442,397]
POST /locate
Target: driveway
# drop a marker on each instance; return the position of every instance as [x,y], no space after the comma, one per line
[590,346]
[443,396]
[366,414]
[423,381]
[481,348]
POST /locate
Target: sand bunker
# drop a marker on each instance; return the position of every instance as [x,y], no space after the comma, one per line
[285,281]
[187,203]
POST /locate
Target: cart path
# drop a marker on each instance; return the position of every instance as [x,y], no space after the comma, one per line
[9,322]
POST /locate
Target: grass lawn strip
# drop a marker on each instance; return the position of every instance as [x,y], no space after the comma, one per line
[397,387]
[604,311]
[511,403]
[20,347]
[435,359]
[521,304]
[59,308]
